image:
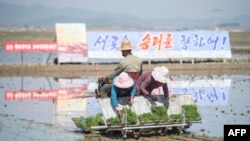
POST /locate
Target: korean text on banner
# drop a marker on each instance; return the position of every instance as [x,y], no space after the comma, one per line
[161,45]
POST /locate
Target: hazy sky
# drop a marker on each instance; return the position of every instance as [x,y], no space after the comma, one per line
[192,9]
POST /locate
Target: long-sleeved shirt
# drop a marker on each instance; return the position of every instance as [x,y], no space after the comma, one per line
[130,63]
[119,92]
[146,84]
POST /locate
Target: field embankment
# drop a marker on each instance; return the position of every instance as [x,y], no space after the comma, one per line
[104,69]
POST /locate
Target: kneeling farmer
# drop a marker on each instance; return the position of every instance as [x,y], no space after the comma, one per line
[122,85]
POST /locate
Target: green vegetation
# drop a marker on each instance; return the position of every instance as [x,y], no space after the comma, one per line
[114,121]
[146,118]
[131,118]
[175,118]
[191,113]
[158,114]
[86,123]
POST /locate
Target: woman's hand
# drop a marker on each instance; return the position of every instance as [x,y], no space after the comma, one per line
[131,100]
[119,111]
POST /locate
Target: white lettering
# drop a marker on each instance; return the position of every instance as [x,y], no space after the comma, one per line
[22,46]
[9,47]
[9,95]
[44,47]
[237,131]
[231,132]
[243,131]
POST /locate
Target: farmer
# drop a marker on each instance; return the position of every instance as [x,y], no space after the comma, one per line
[147,82]
[130,64]
[122,85]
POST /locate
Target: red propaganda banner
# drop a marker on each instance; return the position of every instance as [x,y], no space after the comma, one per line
[65,93]
[30,47]
[77,47]
[30,94]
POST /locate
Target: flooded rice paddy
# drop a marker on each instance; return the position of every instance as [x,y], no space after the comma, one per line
[41,108]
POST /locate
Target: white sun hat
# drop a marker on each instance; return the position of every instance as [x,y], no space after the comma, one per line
[160,74]
[123,81]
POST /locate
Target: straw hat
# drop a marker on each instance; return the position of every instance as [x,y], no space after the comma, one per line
[123,80]
[126,45]
[160,74]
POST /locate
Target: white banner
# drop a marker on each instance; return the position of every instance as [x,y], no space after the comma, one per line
[161,45]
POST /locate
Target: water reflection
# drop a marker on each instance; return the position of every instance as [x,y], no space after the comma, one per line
[15,129]
[205,91]
[48,104]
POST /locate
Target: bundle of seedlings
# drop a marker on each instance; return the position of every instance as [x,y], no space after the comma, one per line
[131,116]
[114,121]
[146,118]
[158,114]
[86,123]
[130,119]
[191,113]
[175,118]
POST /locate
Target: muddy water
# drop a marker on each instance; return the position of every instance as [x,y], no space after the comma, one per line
[40,108]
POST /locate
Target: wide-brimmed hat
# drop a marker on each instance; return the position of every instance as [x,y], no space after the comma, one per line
[123,81]
[126,45]
[160,74]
